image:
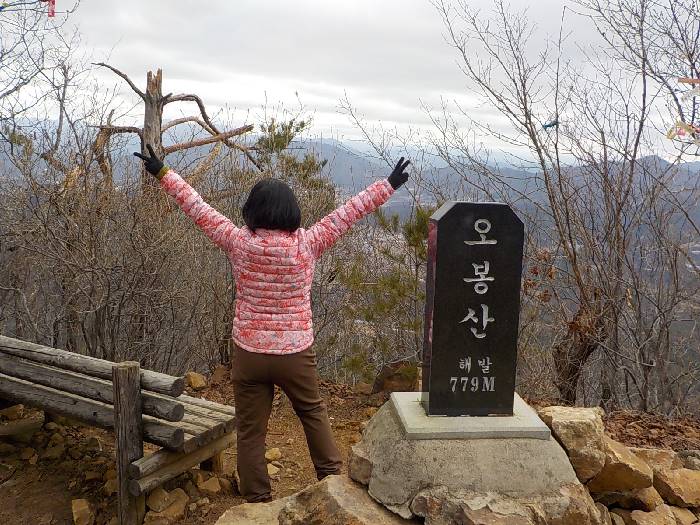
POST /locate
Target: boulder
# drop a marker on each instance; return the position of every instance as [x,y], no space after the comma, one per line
[690,459]
[172,513]
[82,512]
[226,485]
[616,518]
[109,474]
[92,475]
[662,515]
[684,516]
[110,487]
[571,506]
[273,454]
[192,491]
[580,431]
[658,458]
[623,470]
[210,486]
[13,412]
[604,514]
[253,513]
[646,499]
[195,380]
[359,465]
[22,430]
[54,452]
[158,500]
[680,487]
[337,500]
[395,469]
[93,444]
[27,453]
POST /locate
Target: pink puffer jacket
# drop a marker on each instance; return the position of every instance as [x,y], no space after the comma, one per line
[273,269]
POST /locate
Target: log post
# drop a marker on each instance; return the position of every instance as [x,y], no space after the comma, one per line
[126,380]
[214,464]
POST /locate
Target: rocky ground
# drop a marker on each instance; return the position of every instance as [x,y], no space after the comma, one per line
[56,464]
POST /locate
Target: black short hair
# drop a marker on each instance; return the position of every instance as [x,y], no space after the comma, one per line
[272,205]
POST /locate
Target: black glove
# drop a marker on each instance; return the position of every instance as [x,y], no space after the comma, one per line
[399,177]
[153,164]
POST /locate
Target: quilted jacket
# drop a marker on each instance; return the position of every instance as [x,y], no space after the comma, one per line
[273,269]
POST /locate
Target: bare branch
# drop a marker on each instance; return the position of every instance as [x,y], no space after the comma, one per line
[209,124]
[208,140]
[125,77]
[121,129]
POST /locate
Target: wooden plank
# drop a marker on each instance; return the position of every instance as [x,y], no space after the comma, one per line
[126,381]
[162,407]
[205,412]
[206,422]
[92,412]
[224,414]
[155,381]
[161,466]
[205,403]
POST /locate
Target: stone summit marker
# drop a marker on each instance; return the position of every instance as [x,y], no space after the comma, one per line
[469,460]
[475,253]
[472,308]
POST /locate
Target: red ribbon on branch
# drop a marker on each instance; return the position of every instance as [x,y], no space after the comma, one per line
[52,7]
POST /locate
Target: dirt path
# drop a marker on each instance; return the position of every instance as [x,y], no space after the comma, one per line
[41,494]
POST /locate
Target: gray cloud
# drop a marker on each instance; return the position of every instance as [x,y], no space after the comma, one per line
[386,55]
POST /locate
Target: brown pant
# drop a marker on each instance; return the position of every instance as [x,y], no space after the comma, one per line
[254,377]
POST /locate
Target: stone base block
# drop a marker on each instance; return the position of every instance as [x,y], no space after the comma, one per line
[523,470]
[524,423]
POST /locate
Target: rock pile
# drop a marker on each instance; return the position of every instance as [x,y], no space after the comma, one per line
[92,477]
[632,486]
[191,495]
[335,499]
[522,481]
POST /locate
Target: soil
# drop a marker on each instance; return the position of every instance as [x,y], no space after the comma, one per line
[41,494]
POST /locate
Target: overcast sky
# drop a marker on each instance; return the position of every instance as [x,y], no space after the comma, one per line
[387,55]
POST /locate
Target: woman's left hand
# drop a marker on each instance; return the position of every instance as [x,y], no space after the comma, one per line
[399,177]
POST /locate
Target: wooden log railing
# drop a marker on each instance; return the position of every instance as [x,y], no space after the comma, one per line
[161,466]
[139,405]
[155,405]
[155,381]
[95,413]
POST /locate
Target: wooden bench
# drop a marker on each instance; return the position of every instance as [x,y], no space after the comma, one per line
[139,405]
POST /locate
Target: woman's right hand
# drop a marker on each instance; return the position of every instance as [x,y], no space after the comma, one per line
[153,164]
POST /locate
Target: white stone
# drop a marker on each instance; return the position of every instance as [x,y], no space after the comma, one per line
[396,468]
[524,423]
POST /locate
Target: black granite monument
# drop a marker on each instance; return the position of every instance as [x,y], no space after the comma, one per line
[475,253]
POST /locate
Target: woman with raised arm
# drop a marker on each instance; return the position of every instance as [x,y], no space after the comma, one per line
[273,260]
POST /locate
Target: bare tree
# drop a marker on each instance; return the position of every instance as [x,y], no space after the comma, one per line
[153,128]
[608,224]
[32,50]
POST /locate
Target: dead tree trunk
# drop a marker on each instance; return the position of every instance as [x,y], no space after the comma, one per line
[152,130]
[153,114]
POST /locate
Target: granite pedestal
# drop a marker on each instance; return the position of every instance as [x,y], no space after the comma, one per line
[524,423]
[405,454]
